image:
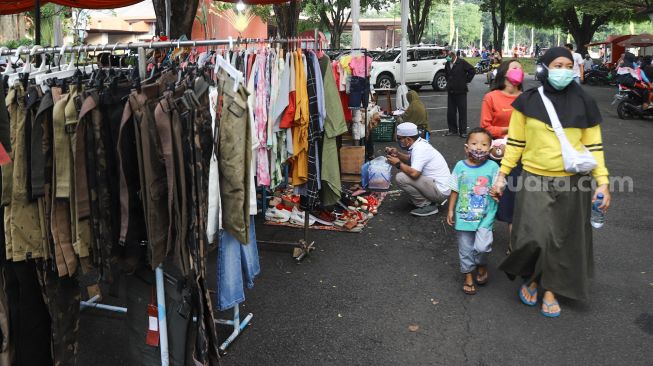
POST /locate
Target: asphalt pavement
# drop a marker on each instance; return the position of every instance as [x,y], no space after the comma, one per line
[392,294]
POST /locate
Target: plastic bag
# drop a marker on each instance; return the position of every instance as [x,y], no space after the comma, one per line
[379,174]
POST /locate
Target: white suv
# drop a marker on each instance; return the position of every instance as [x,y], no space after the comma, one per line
[424,66]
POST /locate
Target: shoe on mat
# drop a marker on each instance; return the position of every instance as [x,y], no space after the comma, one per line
[323,217]
[425,211]
[276,215]
[297,218]
[548,306]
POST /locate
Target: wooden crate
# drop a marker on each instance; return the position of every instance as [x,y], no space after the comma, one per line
[351,159]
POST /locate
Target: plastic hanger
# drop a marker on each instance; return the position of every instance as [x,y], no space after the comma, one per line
[221,63]
[10,70]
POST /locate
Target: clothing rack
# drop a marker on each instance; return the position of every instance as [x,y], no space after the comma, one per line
[368,136]
[302,246]
[37,49]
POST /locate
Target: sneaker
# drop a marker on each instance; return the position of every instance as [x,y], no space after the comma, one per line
[451,133]
[276,215]
[425,211]
[297,218]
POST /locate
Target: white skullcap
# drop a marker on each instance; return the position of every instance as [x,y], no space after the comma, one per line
[407,129]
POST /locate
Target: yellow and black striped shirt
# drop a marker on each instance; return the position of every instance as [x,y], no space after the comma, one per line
[536,144]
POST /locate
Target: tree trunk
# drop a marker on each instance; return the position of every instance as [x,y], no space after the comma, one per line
[452,26]
[419,11]
[181,19]
[583,30]
[335,38]
[287,16]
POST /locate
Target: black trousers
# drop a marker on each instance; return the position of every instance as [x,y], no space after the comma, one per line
[457,106]
[29,316]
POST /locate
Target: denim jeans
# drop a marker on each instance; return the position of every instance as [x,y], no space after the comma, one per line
[359,89]
[473,247]
[238,264]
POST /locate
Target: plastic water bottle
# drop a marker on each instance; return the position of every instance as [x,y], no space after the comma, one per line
[598,217]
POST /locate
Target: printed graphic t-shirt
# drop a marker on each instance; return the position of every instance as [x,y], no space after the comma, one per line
[474,208]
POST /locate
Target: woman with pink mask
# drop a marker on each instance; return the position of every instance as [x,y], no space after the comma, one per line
[497,104]
[495,118]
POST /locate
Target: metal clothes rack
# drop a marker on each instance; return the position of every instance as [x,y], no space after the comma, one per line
[302,247]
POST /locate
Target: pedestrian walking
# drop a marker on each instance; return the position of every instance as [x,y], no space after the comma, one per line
[495,118]
[552,235]
[459,73]
[579,68]
[471,209]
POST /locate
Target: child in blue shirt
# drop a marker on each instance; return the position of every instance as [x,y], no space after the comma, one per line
[471,209]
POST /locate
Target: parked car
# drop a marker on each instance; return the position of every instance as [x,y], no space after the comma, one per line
[424,66]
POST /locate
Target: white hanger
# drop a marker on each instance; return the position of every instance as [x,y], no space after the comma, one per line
[65,72]
[220,62]
[9,70]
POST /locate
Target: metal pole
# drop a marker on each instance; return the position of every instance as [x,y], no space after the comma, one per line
[168,16]
[161,310]
[145,45]
[37,21]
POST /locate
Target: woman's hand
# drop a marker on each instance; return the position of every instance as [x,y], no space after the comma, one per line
[498,187]
[450,218]
[607,197]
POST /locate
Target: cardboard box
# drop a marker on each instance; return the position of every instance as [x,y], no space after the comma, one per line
[351,160]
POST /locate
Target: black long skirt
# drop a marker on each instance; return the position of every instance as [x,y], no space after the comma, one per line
[552,235]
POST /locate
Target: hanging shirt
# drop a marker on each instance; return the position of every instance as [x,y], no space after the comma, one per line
[214,218]
[280,104]
[300,127]
[360,65]
[319,89]
[289,116]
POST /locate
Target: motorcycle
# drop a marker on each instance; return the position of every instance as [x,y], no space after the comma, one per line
[630,104]
[600,76]
[539,69]
[482,66]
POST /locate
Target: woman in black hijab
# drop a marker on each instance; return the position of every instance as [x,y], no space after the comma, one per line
[552,235]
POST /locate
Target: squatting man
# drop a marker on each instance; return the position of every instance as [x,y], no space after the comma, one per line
[423,172]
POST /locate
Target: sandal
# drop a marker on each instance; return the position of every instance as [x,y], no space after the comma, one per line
[548,306]
[469,289]
[531,293]
[481,281]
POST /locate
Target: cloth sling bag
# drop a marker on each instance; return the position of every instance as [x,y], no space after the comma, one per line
[574,161]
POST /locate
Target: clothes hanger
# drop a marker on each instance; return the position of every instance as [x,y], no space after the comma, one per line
[221,63]
[11,69]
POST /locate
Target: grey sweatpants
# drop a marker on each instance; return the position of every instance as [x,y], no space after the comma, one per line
[422,191]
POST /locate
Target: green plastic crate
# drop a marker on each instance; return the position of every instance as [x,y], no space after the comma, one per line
[385,131]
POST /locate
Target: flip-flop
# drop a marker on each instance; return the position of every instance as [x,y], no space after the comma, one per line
[469,292]
[532,293]
[484,281]
[549,305]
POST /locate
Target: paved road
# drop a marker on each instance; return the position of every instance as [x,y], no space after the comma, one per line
[353,300]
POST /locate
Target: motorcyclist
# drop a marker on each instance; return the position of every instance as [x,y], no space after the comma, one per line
[630,75]
[494,65]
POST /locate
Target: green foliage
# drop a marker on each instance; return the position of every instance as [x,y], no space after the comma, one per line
[468,19]
[13,44]
[332,15]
